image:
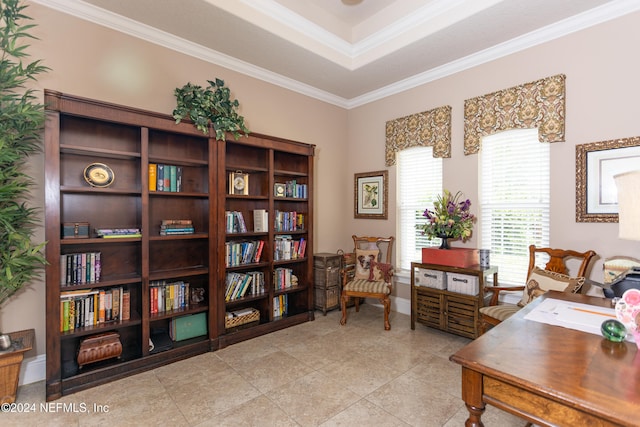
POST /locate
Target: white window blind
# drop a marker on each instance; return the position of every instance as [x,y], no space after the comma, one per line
[514,199]
[419,181]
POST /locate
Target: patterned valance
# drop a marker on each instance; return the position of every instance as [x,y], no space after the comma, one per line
[427,129]
[538,104]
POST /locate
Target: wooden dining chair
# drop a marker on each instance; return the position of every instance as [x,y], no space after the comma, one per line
[553,276]
[370,276]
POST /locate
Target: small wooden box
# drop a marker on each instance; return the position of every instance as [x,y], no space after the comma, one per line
[75,230]
[99,347]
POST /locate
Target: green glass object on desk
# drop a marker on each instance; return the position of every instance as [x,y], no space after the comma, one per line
[613,330]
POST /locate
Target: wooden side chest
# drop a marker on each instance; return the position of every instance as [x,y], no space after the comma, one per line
[326,273]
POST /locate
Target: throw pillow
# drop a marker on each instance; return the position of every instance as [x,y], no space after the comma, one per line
[380,271]
[363,262]
[541,281]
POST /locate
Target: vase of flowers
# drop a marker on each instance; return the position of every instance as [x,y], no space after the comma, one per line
[449,219]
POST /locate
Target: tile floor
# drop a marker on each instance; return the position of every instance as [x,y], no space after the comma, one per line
[315,374]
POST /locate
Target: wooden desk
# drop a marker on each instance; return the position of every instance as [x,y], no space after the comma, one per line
[549,375]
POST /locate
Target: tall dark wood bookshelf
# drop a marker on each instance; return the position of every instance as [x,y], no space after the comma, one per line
[80,132]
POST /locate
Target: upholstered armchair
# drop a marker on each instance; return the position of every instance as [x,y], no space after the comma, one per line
[369,277]
[553,276]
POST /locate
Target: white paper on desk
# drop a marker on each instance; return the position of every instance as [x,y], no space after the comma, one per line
[581,317]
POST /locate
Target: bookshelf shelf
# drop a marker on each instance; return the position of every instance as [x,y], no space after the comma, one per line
[148,268]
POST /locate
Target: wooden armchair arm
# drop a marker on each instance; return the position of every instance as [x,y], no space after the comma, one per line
[495,290]
[347,273]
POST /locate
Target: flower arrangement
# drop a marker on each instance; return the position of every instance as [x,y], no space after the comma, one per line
[449,219]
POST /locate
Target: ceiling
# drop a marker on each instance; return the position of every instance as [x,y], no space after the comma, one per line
[345,54]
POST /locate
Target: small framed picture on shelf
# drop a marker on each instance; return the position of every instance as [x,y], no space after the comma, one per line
[239,183]
[279,190]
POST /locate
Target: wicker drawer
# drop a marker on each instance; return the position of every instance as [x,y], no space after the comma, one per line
[326,278]
[327,298]
[462,284]
[326,260]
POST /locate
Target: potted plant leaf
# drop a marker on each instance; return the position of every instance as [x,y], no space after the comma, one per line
[21,124]
[211,105]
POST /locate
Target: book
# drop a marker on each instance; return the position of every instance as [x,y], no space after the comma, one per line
[173,178]
[260,220]
[160,176]
[153,177]
[126,305]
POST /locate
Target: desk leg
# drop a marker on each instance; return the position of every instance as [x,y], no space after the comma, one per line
[472,396]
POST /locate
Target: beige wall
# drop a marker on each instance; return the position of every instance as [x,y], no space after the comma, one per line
[94,62]
[91,61]
[602,92]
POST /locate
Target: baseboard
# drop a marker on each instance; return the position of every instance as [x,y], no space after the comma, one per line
[33,369]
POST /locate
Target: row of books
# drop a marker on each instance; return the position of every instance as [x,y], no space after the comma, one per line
[166,296]
[280,305]
[234,221]
[239,253]
[283,278]
[165,177]
[286,248]
[240,284]
[292,189]
[114,233]
[80,268]
[172,227]
[288,221]
[84,308]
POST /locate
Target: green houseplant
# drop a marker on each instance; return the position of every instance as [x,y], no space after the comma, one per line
[21,124]
[211,105]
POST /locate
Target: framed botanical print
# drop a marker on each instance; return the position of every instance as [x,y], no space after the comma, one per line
[371,191]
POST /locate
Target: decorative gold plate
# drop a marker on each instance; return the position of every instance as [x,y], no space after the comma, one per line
[98,175]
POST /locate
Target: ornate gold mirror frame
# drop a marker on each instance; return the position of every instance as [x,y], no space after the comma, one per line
[596,164]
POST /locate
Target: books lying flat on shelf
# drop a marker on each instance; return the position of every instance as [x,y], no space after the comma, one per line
[110,233]
[169,227]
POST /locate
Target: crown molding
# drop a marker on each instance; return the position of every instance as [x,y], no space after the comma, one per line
[85,11]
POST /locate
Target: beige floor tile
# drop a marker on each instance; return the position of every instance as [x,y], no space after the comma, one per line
[364,413]
[316,373]
[312,399]
[415,402]
[257,412]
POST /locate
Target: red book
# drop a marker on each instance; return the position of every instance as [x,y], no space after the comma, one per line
[259,250]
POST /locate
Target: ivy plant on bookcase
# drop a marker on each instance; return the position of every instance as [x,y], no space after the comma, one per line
[139,221]
[266,283]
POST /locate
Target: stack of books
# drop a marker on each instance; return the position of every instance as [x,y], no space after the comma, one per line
[110,233]
[172,227]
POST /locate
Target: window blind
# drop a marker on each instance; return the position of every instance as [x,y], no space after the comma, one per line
[514,199]
[419,182]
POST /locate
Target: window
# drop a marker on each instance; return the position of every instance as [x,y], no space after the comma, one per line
[514,199]
[419,183]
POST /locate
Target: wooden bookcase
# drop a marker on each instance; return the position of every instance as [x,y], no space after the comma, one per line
[80,132]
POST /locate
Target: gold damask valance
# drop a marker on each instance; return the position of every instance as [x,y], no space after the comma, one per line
[539,104]
[427,129]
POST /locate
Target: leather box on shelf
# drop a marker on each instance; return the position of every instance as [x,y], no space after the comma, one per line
[75,230]
[99,347]
[190,326]
[454,257]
